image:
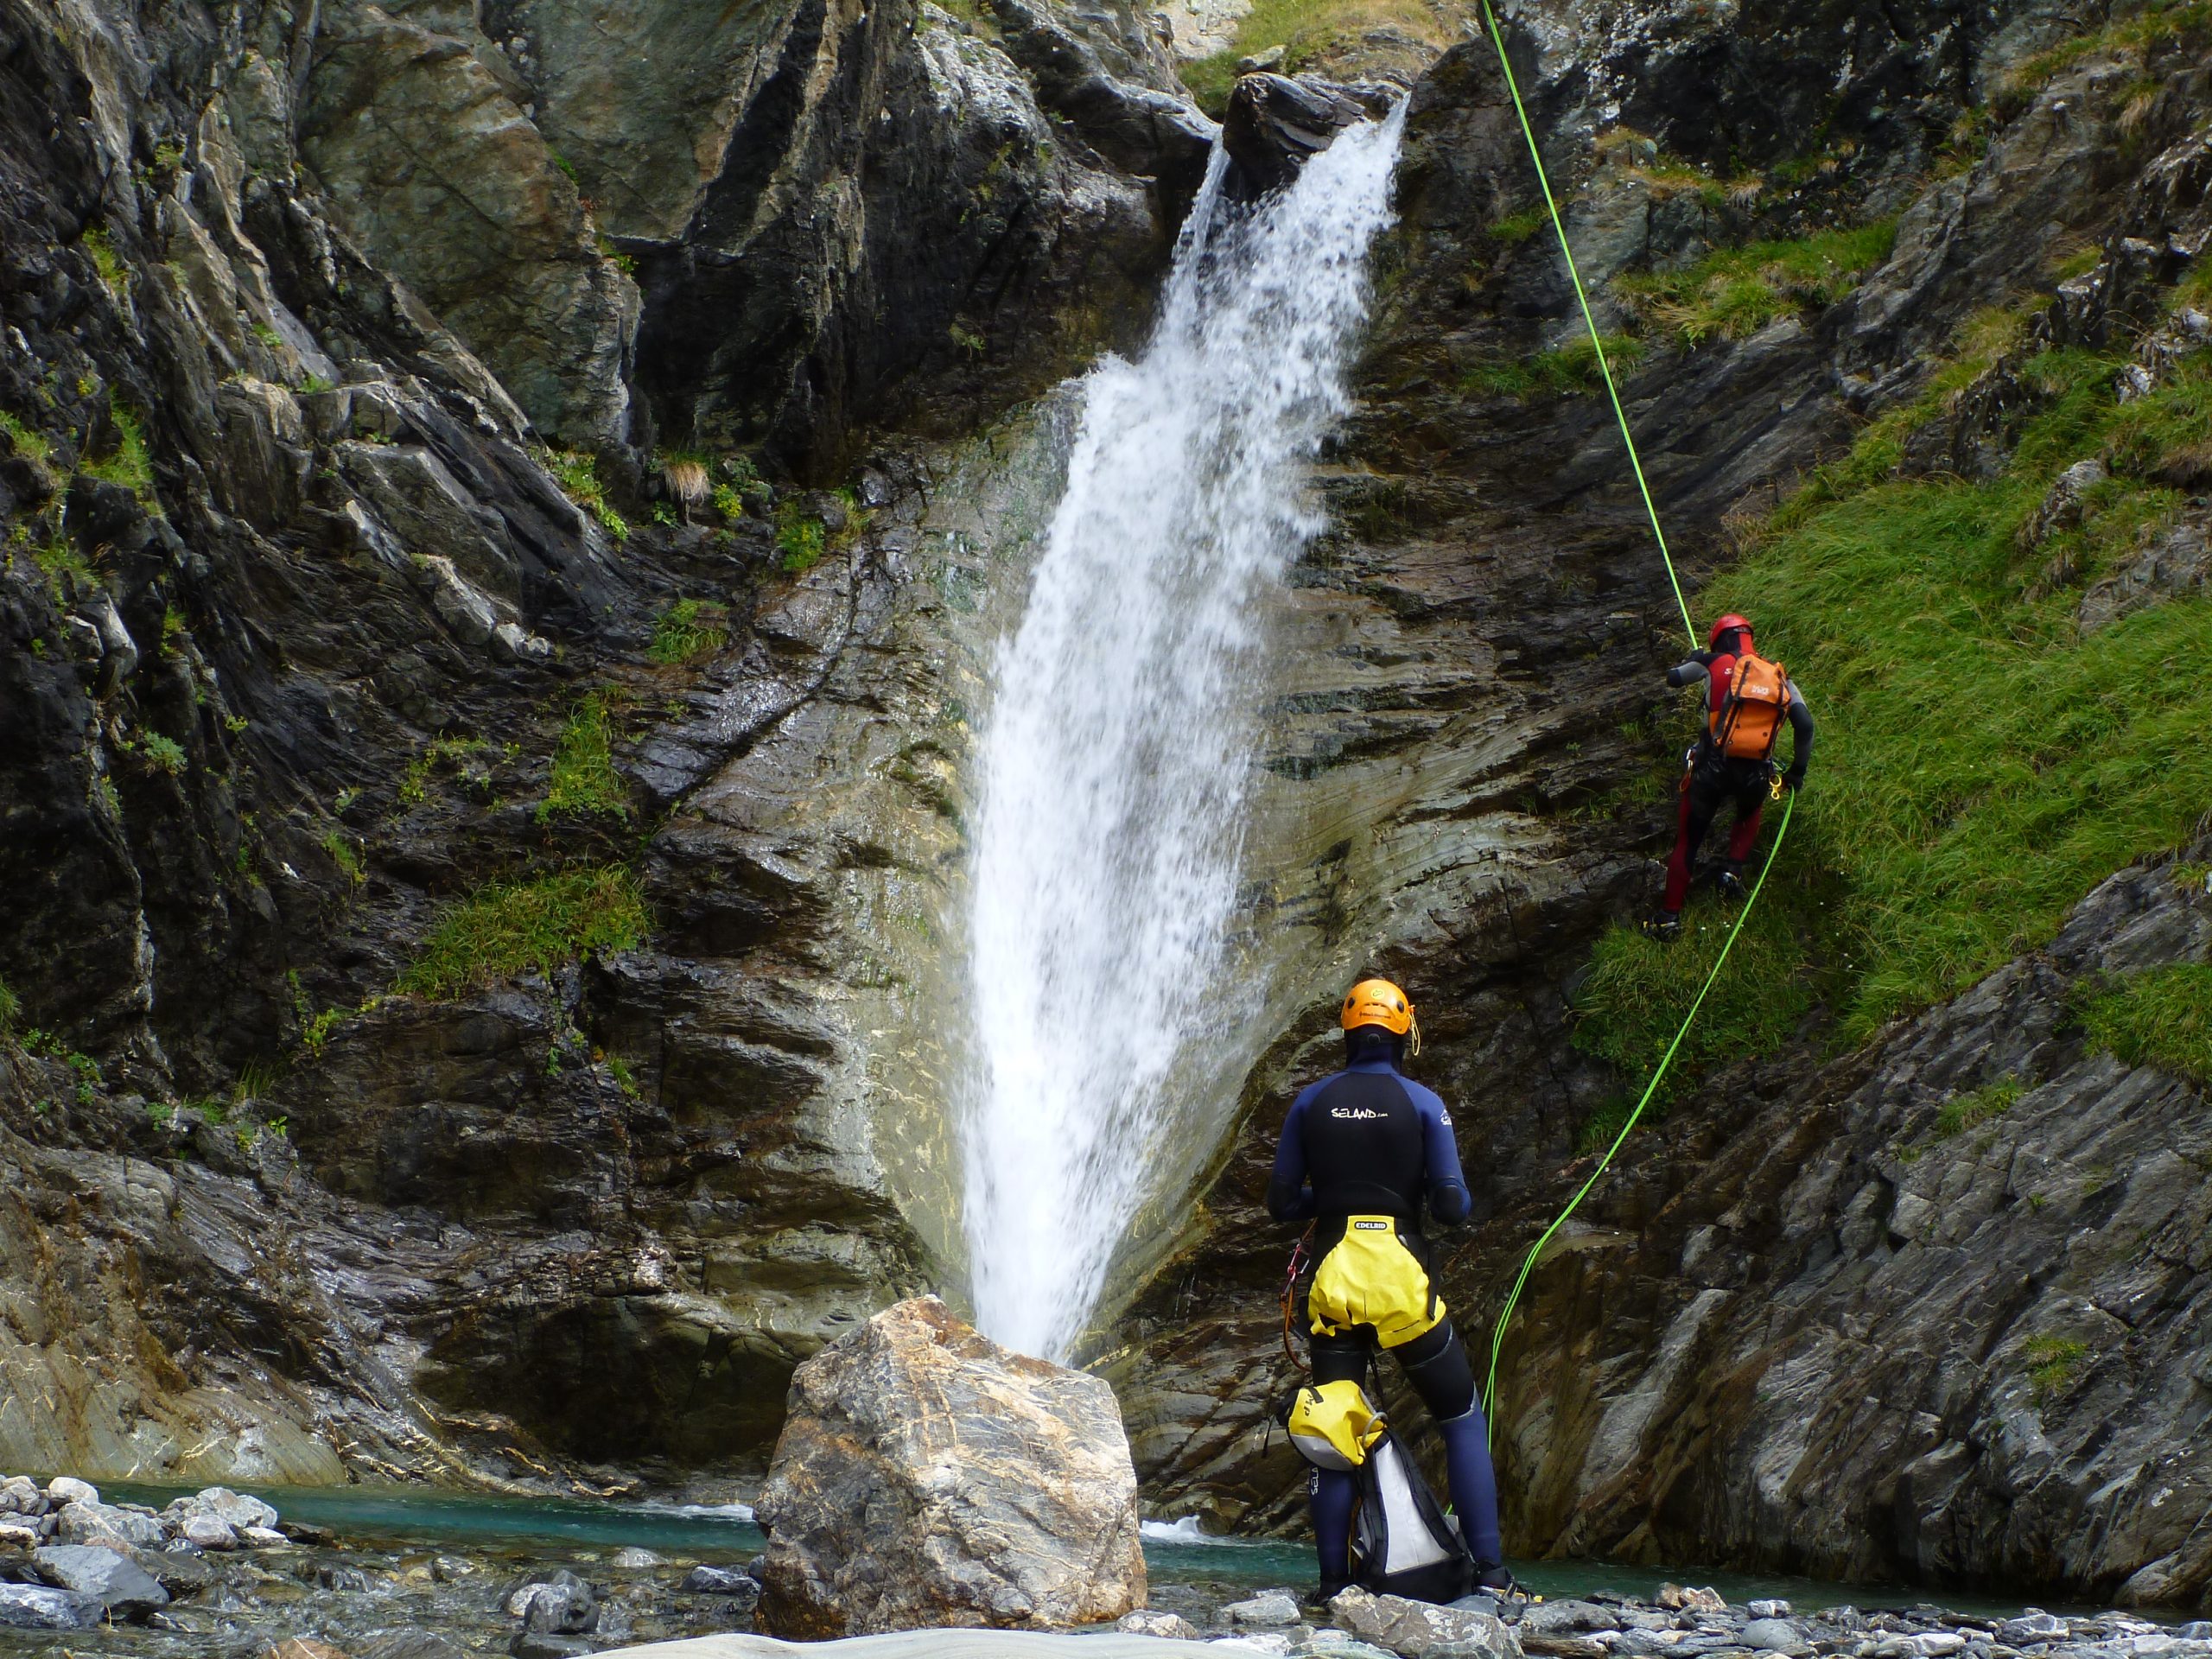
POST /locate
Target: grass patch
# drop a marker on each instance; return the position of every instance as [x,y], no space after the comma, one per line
[1568,372]
[129,463]
[577,474]
[415,782]
[2158,23]
[1632,1004]
[800,537]
[31,445]
[691,628]
[1982,765]
[521,927]
[584,779]
[2052,1363]
[1733,293]
[1305,29]
[1972,1110]
[2160,1017]
[11,1009]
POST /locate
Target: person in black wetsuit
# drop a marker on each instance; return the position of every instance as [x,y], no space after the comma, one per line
[1360,1153]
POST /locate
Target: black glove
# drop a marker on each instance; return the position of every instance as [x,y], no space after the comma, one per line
[1794,780]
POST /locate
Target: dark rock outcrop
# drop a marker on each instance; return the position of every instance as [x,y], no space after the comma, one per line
[1276,121]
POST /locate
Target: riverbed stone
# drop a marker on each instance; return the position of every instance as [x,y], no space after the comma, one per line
[208,1532]
[64,1490]
[20,1495]
[121,1584]
[105,1523]
[1419,1629]
[1771,1634]
[1767,1609]
[235,1509]
[928,1477]
[1152,1621]
[739,1586]
[560,1604]
[1270,1608]
[38,1607]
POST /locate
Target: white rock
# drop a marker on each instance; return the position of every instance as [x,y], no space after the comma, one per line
[19,1495]
[263,1538]
[64,1490]
[234,1508]
[635,1557]
[1768,1610]
[1272,1608]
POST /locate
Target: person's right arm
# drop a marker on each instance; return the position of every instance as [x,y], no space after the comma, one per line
[1289,1198]
[1690,672]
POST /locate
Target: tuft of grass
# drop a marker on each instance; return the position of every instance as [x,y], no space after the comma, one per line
[129,465]
[577,474]
[2158,1017]
[690,628]
[800,537]
[2052,1363]
[115,275]
[11,1009]
[1567,371]
[687,478]
[343,854]
[1515,228]
[1735,292]
[510,928]
[415,782]
[164,754]
[584,779]
[1972,1109]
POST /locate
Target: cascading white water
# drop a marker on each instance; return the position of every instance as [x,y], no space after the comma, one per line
[1115,759]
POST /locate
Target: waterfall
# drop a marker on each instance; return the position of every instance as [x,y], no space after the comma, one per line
[1116,758]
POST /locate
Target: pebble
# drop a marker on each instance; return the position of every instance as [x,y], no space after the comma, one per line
[634,1558]
[1768,1609]
[706,1581]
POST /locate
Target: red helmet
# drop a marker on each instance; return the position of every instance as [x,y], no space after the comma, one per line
[1731,623]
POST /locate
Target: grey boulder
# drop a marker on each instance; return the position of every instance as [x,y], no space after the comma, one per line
[1272,1607]
[561,1604]
[119,1583]
[35,1607]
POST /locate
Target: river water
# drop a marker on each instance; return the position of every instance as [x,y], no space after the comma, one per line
[441,1561]
[1104,999]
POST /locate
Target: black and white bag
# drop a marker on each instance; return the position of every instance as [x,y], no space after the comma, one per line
[1403,1543]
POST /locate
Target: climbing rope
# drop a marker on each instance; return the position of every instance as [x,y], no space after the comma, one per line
[1597,342]
[1659,535]
[1528,1264]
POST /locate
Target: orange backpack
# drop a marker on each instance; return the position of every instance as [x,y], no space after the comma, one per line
[1749,719]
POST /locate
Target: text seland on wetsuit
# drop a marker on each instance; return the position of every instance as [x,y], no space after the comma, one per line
[1711,779]
[1360,1154]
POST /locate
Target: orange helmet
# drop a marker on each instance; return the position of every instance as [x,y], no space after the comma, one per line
[1378,1002]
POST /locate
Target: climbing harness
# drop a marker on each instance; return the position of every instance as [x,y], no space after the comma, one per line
[1597,342]
[1620,414]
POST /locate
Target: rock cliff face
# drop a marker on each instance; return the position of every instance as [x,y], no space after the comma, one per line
[507,505]
[315,656]
[1469,659]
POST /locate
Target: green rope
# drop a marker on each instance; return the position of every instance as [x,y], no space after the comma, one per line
[1597,342]
[1528,1266]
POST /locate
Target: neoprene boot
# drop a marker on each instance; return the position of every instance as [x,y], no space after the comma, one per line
[1665,926]
[1729,884]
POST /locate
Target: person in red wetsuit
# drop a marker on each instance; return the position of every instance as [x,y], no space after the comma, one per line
[1733,761]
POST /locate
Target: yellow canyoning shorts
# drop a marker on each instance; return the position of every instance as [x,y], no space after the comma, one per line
[1370,1277]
